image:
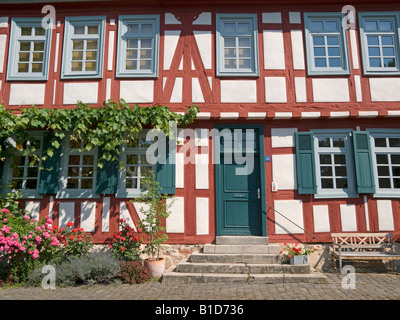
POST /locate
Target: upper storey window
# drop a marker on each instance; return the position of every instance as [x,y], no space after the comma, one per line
[83,47]
[379,42]
[237,45]
[326,44]
[29,50]
[138,46]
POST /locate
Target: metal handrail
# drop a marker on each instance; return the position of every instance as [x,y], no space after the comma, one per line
[292,222]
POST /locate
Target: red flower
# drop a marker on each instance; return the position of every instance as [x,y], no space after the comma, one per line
[55,227]
[75,230]
[123,248]
[72,237]
[136,239]
[70,224]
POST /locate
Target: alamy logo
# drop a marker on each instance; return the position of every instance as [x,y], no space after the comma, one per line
[48,22]
[49,280]
[231,146]
[349,280]
[349,21]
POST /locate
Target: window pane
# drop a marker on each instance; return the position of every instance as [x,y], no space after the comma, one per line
[144,171]
[24,56]
[334,62]
[31,184]
[23,67]
[145,54]
[18,161]
[384,183]
[338,142]
[396,171]
[131,183]
[341,183]
[74,160]
[16,184]
[385,25]
[37,67]
[90,66]
[147,28]
[26,31]
[131,171]
[33,172]
[325,159]
[131,54]
[332,41]
[88,160]
[388,51]
[331,26]
[244,53]
[229,27]
[132,159]
[24,46]
[87,184]
[395,158]
[39,31]
[243,28]
[318,41]
[324,142]
[133,28]
[340,159]
[318,52]
[17,172]
[371,25]
[91,55]
[38,56]
[326,171]
[327,183]
[341,171]
[316,25]
[76,66]
[389,63]
[38,46]
[320,63]
[131,64]
[230,53]
[93,29]
[380,142]
[79,29]
[374,51]
[372,40]
[396,183]
[333,51]
[394,142]
[382,159]
[77,55]
[375,63]
[132,43]
[91,44]
[146,43]
[77,45]
[383,171]
[230,64]
[73,172]
[387,40]
[243,42]
[72,183]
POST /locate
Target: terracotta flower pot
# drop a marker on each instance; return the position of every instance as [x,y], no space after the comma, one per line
[155,267]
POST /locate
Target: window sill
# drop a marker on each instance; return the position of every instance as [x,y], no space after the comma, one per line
[336,196]
[77,195]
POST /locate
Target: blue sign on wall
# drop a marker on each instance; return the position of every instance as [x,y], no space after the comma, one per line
[267,158]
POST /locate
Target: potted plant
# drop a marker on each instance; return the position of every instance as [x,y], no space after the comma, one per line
[155,210]
[296,254]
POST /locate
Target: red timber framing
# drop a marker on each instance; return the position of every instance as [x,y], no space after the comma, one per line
[187,68]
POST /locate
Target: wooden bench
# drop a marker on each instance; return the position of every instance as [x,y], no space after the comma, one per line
[363,246]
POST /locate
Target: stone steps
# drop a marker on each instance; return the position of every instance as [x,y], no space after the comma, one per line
[237,260]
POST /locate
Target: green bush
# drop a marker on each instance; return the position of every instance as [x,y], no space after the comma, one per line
[86,269]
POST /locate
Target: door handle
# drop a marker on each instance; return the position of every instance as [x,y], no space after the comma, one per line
[258,193]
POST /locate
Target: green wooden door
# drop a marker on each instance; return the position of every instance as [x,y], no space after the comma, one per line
[240,194]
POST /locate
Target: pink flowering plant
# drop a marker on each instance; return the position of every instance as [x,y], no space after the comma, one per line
[295,249]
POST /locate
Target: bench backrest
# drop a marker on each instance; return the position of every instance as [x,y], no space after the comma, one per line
[377,239]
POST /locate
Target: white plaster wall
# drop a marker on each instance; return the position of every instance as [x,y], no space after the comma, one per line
[274,52]
[175,223]
[170,19]
[293,210]
[385,89]
[66,213]
[331,90]
[284,171]
[202,216]
[176,96]
[201,171]
[124,214]
[27,94]
[385,215]
[140,91]
[348,217]
[282,137]
[357,83]
[105,215]
[3,22]
[85,92]
[239,91]
[197,93]
[33,207]
[321,218]
[300,89]
[272,17]
[171,38]
[294,17]
[3,40]
[297,49]
[204,41]
[275,90]
[88,213]
[179,170]
[354,49]
[204,18]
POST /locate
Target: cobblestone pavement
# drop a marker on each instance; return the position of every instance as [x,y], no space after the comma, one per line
[368,286]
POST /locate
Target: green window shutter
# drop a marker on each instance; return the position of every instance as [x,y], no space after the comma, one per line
[49,174]
[363,162]
[107,177]
[165,174]
[305,163]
